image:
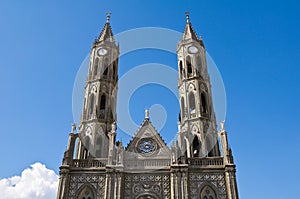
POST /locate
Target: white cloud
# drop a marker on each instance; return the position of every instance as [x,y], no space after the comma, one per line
[36,182]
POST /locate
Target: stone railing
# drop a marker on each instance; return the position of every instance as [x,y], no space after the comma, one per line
[147,163]
[89,163]
[206,162]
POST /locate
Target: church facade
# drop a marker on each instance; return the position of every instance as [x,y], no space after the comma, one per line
[96,165]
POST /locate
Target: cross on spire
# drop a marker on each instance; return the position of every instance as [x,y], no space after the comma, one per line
[108,16]
[187,15]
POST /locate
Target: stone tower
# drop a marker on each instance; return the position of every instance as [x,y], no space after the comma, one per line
[198,132]
[96,166]
[99,108]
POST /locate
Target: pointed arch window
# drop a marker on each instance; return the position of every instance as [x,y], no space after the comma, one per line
[115,70]
[102,102]
[105,72]
[106,65]
[102,106]
[182,108]
[208,193]
[92,102]
[112,72]
[192,103]
[96,66]
[189,65]
[180,68]
[196,147]
[204,107]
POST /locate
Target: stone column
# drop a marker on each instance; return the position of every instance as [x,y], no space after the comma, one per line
[63,187]
[230,179]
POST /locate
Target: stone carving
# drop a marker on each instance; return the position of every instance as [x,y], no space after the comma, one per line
[200,180]
[155,184]
[78,181]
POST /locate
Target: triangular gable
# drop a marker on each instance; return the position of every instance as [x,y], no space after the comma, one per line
[147,143]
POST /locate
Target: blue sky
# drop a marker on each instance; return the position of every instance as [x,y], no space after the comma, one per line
[255,45]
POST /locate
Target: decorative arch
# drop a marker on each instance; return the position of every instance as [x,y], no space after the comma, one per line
[182,107]
[189,65]
[192,103]
[105,66]
[199,63]
[204,104]
[102,102]
[86,192]
[146,196]
[91,104]
[196,147]
[114,73]
[180,67]
[96,66]
[210,144]
[208,193]
[98,146]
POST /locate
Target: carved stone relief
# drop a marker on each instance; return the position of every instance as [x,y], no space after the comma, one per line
[156,185]
[215,180]
[77,182]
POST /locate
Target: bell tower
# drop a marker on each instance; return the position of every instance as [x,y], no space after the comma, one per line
[197,135]
[96,166]
[99,107]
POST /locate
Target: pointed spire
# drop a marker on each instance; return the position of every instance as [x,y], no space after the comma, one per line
[189,32]
[106,33]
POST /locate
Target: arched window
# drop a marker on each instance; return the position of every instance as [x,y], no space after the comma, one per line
[102,102]
[115,70]
[182,108]
[112,73]
[102,107]
[92,99]
[98,146]
[96,66]
[192,103]
[204,109]
[86,193]
[208,193]
[106,65]
[189,65]
[199,64]
[105,71]
[180,67]
[196,147]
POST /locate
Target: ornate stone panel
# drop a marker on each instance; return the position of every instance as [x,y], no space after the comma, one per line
[199,180]
[154,185]
[97,182]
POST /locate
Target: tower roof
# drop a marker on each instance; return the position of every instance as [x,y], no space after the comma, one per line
[189,32]
[106,33]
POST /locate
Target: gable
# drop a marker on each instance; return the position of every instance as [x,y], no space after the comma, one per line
[147,144]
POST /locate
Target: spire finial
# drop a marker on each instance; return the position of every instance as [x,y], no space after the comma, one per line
[187,15]
[108,16]
[222,124]
[147,113]
[73,128]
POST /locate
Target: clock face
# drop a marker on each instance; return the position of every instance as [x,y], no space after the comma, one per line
[146,146]
[193,49]
[102,51]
